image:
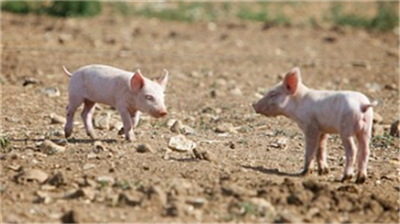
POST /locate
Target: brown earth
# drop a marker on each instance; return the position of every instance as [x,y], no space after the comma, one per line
[247,173]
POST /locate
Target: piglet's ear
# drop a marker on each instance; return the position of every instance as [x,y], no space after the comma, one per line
[163,80]
[292,81]
[137,81]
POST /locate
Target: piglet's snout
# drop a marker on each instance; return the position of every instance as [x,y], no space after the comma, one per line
[162,113]
[256,108]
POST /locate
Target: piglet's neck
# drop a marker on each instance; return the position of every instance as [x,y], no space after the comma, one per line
[291,109]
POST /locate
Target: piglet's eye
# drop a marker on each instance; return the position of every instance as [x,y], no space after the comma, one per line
[149,97]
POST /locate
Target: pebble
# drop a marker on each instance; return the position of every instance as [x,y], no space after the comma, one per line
[102,121]
[98,147]
[142,148]
[236,91]
[205,155]
[395,128]
[377,118]
[225,128]
[57,119]
[35,174]
[280,143]
[181,144]
[51,148]
[373,87]
[105,179]
[50,91]
[378,130]
[88,166]
[176,127]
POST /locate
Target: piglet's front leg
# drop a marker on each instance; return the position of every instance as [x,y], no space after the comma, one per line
[127,122]
[312,143]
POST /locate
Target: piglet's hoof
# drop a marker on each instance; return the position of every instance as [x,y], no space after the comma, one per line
[323,171]
[361,179]
[346,177]
[306,172]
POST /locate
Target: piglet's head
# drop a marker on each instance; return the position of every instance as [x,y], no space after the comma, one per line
[150,94]
[275,101]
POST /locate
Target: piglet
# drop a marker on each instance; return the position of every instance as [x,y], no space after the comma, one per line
[130,93]
[319,113]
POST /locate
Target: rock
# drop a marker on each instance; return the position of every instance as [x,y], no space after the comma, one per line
[236,91]
[88,166]
[205,155]
[89,193]
[176,127]
[162,196]
[35,174]
[362,64]
[57,119]
[98,147]
[103,121]
[280,143]
[63,38]
[130,198]
[378,130]
[377,118]
[70,217]
[50,91]
[142,148]
[170,122]
[15,167]
[264,207]
[196,202]
[106,179]
[92,156]
[238,191]
[225,128]
[74,194]
[373,87]
[51,148]
[181,144]
[186,130]
[115,124]
[31,81]
[56,180]
[395,129]
[287,217]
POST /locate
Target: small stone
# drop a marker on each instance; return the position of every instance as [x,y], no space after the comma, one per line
[63,38]
[35,174]
[236,92]
[170,122]
[181,144]
[102,121]
[280,143]
[51,148]
[92,156]
[238,191]
[15,167]
[57,119]
[130,198]
[73,194]
[225,128]
[204,155]
[88,166]
[373,87]
[186,130]
[56,180]
[89,193]
[264,206]
[377,118]
[51,91]
[176,127]
[115,124]
[162,196]
[378,130]
[31,81]
[196,202]
[142,148]
[106,179]
[362,64]
[395,128]
[98,147]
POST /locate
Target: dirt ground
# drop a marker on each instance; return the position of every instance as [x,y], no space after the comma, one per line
[248,164]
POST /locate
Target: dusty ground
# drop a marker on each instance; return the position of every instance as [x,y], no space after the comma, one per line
[216,72]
